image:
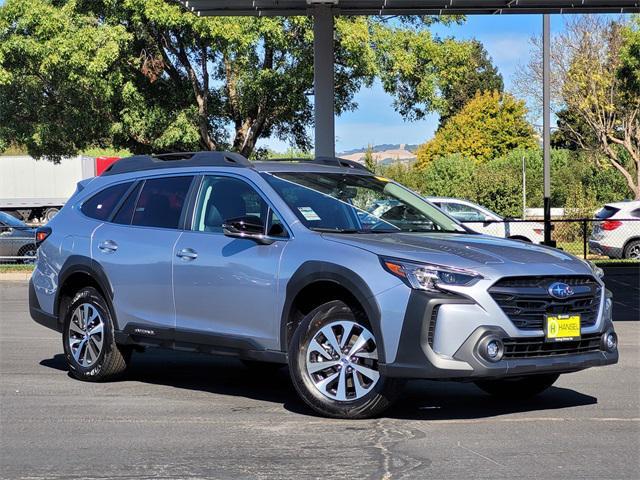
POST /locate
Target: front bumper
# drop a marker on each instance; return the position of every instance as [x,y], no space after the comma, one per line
[418,359]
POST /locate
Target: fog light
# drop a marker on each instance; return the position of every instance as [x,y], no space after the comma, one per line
[491,348]
[610,341]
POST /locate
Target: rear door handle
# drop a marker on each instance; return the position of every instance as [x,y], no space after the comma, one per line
[187,254]
[108,246]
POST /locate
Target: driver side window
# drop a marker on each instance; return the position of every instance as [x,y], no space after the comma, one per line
[225,198]
[464,213]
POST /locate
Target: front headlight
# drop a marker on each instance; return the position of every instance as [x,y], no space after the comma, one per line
[423,276]
[597,271]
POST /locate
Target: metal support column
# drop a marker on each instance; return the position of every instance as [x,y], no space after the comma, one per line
[323,82]
[546,125]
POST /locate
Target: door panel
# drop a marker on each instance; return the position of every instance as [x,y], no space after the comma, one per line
[226,285]
[230,287]
[138,258]
[139,269]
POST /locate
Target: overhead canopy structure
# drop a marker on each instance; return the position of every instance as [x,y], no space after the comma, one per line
[410,7]
[323,12]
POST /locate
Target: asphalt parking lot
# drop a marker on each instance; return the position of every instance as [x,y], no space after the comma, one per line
[185,416]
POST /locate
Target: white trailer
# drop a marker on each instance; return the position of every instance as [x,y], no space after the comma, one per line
[34,190]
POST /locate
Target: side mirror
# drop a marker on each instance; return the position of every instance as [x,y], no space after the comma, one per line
[250,228]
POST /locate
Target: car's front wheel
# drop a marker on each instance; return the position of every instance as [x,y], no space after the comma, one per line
[333,362]
[518,388]
[88,339]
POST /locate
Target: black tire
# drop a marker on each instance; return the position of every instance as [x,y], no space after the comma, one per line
[380,396]
[28,250]
[112,360]
[265,368]
[632,249]
[517,388]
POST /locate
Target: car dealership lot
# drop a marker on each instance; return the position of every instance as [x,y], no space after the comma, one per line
[181,415]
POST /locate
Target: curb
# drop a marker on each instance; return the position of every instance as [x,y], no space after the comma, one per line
[15,276]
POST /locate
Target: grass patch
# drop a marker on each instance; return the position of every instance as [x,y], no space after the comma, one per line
[15,268]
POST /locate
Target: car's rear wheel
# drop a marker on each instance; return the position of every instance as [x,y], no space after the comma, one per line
[518,388]
[333,362]
[88,339]
[632,250]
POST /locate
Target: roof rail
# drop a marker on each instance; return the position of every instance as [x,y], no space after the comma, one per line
[328,161]
[138,163]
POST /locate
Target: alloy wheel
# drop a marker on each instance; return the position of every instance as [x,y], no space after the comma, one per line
[86,334]
[342,361]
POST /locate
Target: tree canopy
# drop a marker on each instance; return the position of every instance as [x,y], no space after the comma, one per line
[596,89]
[148,76]
[488,126]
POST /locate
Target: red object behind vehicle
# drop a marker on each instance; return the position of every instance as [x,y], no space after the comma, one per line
[611,224]
[102,163]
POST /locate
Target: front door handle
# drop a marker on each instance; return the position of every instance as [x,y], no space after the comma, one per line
[108,246]
[187,254]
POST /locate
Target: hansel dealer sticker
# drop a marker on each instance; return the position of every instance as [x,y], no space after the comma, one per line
[308,213]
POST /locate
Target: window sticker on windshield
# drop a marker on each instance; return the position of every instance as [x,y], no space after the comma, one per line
[383,179]
[308,213]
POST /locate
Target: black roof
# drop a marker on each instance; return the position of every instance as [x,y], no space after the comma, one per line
[138,163]
[409,7]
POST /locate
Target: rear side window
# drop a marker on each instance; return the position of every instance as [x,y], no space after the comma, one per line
[607,212]
[635,213]
[102,203]
[161,202]
[125,213]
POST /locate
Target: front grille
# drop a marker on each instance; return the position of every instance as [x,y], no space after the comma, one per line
[526,300]
[536,347]
[431,332]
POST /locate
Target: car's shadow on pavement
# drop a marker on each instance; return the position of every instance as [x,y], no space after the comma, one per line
[421,400]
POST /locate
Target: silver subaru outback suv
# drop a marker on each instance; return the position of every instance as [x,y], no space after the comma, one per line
[291,263]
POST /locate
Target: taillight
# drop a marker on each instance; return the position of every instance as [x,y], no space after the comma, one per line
[538,231]
[42,234]
[611,224]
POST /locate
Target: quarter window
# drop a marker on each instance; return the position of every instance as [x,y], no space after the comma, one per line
[102,203]
[161,202]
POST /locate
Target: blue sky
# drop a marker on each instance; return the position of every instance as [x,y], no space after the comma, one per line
[505,37]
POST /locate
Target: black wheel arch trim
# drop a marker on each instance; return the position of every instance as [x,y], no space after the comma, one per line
[88,266]
[319,271]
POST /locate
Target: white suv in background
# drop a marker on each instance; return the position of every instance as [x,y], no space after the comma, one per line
[483,220]
[612,235]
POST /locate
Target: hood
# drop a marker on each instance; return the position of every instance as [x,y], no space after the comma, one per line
[490,256]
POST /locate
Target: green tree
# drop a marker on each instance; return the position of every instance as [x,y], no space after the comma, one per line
[147,75]
[482,76]
[369,160]
[59,77]
[596,85]
[490,125]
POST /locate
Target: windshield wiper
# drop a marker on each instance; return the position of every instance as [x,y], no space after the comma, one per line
[334,230]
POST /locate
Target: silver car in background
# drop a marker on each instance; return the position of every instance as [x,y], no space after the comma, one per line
[17,240]
[482,220]
[616,234]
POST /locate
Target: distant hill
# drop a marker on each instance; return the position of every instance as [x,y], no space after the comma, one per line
[384,154]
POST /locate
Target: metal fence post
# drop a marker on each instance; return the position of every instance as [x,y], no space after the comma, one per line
[584,239]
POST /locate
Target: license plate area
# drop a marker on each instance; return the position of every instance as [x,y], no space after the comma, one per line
[562,328]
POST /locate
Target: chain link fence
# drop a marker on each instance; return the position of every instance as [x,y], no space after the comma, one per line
[589,238]
[17,245]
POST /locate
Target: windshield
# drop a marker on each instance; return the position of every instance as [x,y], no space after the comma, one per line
[349,203]
[10,221]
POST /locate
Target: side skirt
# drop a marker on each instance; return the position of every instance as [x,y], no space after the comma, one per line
[191,341]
